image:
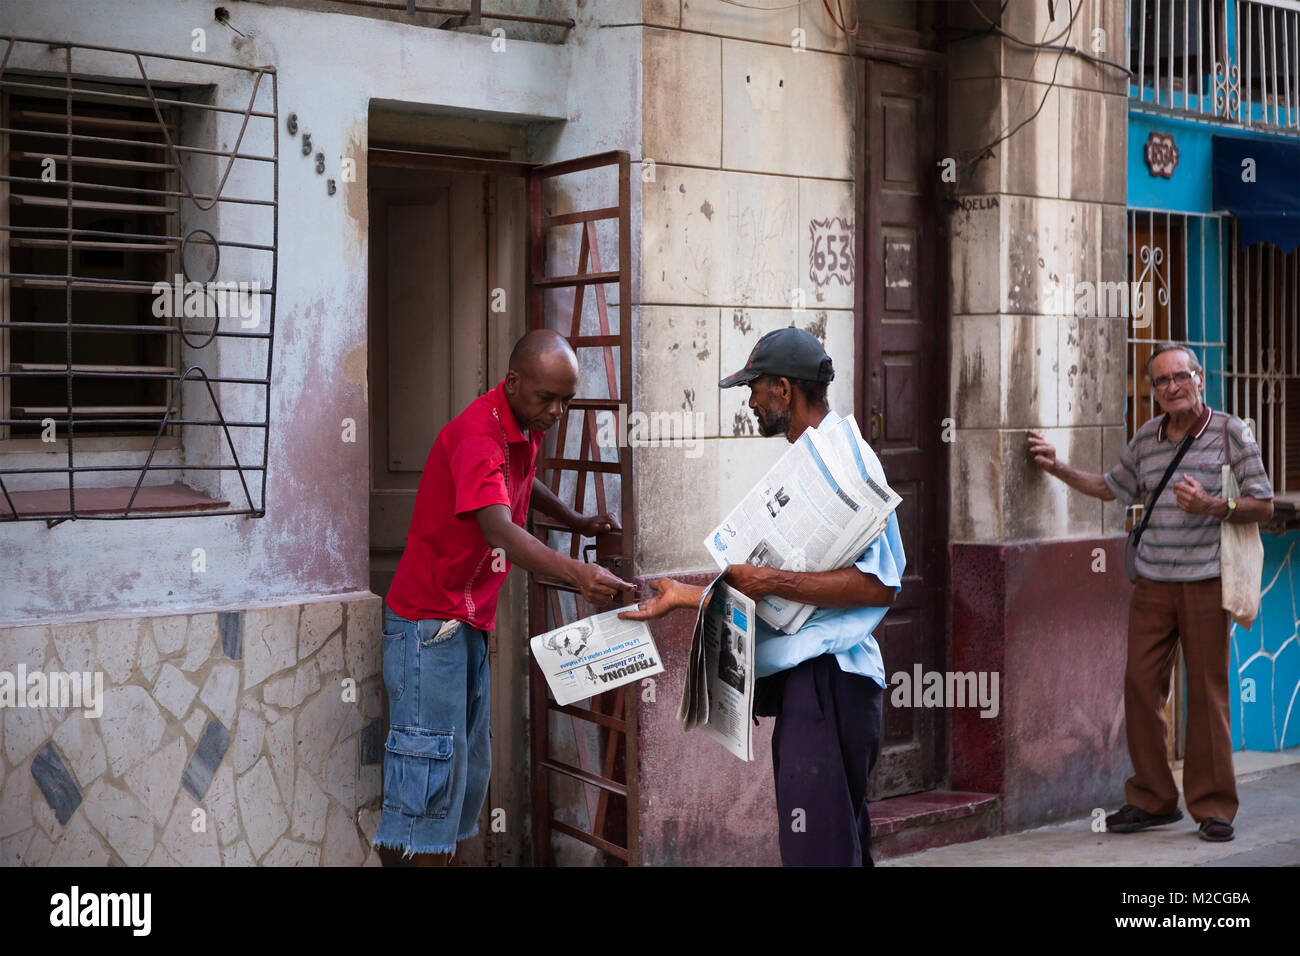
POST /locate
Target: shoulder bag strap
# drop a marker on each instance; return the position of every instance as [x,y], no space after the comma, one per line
[1146,511]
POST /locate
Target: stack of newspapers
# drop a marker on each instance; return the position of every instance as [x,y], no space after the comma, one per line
[718,695]
[817,509]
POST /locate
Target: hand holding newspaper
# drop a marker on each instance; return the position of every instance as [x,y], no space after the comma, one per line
[816,509]
[595,654]
[726,635]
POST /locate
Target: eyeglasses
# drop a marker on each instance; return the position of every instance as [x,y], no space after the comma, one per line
[1179,378]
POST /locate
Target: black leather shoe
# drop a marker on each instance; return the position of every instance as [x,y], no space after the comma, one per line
[1216,830]
[1130,818]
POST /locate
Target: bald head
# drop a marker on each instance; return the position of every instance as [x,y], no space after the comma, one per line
[542,347]
[542,379]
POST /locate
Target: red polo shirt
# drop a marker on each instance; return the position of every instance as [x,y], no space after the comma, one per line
[480,458]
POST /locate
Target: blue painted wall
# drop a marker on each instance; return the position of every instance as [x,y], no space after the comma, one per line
[1189,190]
[1269,655]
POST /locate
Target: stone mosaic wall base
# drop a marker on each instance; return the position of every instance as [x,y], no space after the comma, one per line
[227,739]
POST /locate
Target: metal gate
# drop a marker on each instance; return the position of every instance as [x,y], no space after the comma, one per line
[577,210]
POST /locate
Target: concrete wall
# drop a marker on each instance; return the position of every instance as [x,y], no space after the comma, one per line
[1048,205]
[1056,749]
[751,140]
[1046,208]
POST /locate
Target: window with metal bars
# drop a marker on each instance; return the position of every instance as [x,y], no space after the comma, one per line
[1262,336]
[1238,309]
[123,380]
[138,227]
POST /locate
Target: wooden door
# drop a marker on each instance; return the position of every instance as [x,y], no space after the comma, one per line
[428,337]
[901,379]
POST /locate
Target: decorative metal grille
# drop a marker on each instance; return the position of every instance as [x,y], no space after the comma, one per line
[1239,309]
[1263,354]
[1233,60]
[1176,263]
[137,256]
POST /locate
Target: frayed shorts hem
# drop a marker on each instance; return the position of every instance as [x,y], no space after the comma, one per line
[409,849]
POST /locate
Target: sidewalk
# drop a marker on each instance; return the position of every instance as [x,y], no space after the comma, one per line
[1267,824]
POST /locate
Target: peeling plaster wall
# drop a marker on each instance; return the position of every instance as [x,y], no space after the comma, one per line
[314,538]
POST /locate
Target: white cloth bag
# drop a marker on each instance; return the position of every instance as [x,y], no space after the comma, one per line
[1241,561]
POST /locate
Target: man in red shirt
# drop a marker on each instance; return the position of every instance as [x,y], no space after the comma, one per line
[466,531]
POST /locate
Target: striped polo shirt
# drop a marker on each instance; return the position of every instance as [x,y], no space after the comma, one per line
[1178,546]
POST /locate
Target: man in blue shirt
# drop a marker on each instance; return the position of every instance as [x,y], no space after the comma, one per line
[825,683]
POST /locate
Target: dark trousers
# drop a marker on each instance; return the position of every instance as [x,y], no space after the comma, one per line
[824,745]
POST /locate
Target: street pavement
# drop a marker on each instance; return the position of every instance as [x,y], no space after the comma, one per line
[1267,832]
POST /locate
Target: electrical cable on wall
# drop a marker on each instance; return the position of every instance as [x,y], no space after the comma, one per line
[839,23]
[994,28]
[985,151]
[753,6]
[1041,43]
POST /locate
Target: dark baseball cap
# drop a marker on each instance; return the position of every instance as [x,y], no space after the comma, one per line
[790,352]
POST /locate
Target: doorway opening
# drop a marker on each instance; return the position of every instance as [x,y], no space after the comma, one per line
[447,252]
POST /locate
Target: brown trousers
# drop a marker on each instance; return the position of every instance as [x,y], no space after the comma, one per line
[1162,614]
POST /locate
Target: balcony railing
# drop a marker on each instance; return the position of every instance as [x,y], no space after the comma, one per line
[1236,61]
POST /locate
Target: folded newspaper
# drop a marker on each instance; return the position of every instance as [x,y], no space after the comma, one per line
[816,509]
[595,654]
[718,694]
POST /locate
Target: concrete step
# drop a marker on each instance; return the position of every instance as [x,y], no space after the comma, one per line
[921,821]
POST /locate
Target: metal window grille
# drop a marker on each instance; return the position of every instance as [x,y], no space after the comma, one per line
[1238,308]
[1263,353]
[138,228]
[1175,262]
[1234,60]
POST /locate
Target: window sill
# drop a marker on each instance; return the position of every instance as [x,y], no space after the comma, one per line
[93,443]
[53,502]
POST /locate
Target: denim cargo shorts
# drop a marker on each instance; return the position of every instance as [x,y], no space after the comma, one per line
[438,757]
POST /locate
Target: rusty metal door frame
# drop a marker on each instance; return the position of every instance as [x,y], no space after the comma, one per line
[614,712]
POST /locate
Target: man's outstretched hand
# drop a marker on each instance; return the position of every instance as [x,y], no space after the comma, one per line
[668,596]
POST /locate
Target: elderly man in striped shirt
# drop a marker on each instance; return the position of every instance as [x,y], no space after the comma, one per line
[1177,596]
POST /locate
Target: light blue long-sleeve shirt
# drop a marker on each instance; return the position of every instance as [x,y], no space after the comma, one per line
[844,632]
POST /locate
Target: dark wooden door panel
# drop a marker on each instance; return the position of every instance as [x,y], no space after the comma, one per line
[903,378]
